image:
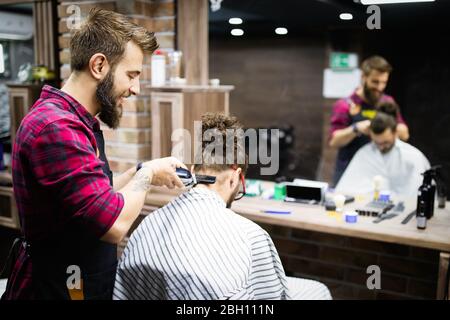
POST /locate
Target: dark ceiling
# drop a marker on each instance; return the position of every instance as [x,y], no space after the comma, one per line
[261,17]
[24,8]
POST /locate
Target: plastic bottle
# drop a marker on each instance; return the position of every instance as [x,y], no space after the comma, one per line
[158,69]
[377,181]
[330,209]
[279,191]
[421,217]
[442,195]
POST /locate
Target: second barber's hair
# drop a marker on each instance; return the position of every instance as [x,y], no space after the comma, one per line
[377,63]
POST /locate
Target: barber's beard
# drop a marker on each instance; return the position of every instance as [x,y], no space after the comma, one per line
[371,96]
[110,112]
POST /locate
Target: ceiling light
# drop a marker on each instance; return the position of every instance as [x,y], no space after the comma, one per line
[237,32]
[367,2]
[346,16]
[235,21]
[281,31]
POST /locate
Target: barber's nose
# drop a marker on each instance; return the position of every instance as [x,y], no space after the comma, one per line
[135,89]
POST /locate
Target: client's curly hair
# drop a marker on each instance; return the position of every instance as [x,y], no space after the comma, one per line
[219,125]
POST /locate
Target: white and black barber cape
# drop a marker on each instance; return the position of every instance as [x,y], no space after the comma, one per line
[401,169]
[196,248]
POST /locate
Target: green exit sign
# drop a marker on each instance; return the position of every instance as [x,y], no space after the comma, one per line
[342,60]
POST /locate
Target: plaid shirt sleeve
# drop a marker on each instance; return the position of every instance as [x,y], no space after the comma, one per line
[400,119]
[340,118]
[65,164]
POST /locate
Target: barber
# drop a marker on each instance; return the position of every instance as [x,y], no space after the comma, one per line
[351,116]
[71,211]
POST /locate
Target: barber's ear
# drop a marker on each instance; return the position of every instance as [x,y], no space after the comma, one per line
[98,66]
[192,168]
[363,78]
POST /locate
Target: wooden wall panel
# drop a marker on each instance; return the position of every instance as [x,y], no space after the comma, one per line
[192,34]
[45,38]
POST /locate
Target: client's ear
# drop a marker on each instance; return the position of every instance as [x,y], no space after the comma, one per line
[235,178]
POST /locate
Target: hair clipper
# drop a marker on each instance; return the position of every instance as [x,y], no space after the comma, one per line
[191,179]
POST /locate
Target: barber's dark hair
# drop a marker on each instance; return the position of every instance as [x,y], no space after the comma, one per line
[383,121]
[107,32]
[219,124]
[377,63]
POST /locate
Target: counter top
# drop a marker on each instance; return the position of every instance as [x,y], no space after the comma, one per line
[190,88]
[313,217]
[5,178]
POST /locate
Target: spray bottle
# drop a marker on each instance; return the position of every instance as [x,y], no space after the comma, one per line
[427,192]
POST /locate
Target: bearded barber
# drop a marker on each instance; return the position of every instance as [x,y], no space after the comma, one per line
[351,116]
[72,213]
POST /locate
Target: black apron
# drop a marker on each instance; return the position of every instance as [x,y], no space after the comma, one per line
[346,153]
[54,260]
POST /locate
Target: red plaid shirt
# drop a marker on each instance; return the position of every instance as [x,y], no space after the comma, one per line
[58,178]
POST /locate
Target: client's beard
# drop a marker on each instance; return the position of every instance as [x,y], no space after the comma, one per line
[110,113]
[231,199]
[386,150]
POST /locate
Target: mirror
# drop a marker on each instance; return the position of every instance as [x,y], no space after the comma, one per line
[16,60]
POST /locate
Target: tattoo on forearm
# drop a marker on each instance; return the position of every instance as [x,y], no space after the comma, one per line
[141,181]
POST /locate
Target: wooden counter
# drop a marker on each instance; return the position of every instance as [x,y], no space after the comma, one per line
[314,218]
[191,88]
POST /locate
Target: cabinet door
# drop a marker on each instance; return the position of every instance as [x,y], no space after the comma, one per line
[8,210]
[167,116]
[20,101]
[176,127]
[18,108]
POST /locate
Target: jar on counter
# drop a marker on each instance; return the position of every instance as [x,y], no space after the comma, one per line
[158,65]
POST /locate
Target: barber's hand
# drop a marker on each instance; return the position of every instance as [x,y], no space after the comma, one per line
[164,172]
[363,126]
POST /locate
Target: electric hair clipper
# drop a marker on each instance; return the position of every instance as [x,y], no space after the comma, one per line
[191,179]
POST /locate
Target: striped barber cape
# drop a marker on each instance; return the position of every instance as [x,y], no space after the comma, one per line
[196,248]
